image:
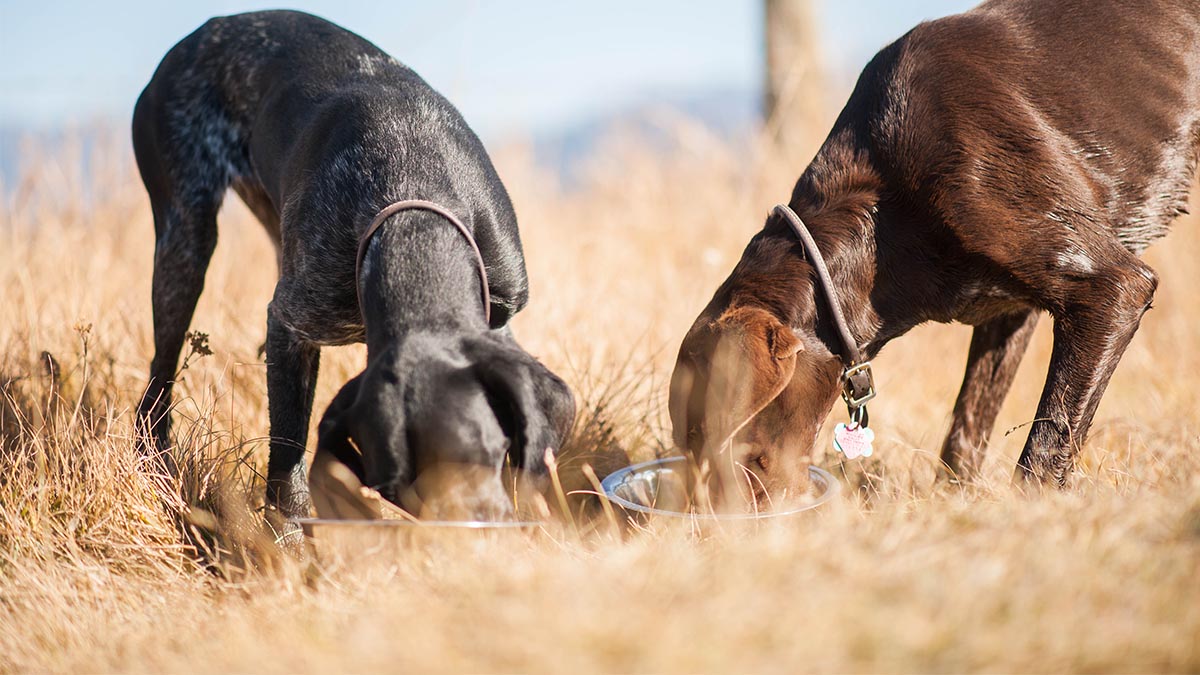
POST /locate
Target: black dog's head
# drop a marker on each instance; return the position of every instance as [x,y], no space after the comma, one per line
[434,420]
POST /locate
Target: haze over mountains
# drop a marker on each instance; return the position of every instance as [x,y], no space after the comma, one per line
[726,112]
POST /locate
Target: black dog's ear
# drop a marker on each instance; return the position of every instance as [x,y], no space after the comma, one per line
[534,406]
[333,434]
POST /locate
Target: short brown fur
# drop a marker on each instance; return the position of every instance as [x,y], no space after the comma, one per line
[988,167]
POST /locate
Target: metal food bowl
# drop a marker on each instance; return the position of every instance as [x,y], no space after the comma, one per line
[346,511]
[659,488]
[364,544]
[312,525]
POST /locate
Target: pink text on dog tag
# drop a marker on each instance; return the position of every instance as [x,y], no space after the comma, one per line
[853,441]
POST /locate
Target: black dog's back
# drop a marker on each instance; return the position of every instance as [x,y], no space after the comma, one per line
[226,81]
[256,101]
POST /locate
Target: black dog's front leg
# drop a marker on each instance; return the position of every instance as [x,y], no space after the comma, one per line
[291,379]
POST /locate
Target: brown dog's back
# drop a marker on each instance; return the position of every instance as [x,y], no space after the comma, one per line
[988,167]
[1054,104]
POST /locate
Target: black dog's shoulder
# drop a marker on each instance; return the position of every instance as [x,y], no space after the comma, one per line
[339,128]
[285,48]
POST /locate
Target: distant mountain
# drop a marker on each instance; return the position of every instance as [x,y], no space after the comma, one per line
[725,112]
[10,139]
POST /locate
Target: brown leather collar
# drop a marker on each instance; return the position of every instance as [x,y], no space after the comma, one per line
[423,205]
[858,386]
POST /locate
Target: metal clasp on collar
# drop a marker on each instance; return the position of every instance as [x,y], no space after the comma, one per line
[858,385]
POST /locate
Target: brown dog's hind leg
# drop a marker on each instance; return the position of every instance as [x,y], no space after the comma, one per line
[996,351]
[1097,318]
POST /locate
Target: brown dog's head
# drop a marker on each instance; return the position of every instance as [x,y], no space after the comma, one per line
[753,381]
[748,396]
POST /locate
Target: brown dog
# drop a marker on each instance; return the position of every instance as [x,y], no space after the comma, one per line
[988,166]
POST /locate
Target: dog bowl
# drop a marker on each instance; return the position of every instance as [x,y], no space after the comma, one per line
[371,549]
[363,544]
[645,488]
[311,526]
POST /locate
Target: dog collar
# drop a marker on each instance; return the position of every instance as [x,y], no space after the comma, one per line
[422,205]
[858,385]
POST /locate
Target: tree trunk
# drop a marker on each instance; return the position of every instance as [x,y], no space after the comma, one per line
[793,103]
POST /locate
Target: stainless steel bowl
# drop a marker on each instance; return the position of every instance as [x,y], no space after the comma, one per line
[373,547]
[309,525]
[649,486]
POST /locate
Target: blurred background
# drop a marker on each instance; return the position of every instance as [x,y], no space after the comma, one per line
[555,75]
[642,144]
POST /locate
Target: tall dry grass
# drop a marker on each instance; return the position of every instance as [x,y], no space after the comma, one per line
[97,570]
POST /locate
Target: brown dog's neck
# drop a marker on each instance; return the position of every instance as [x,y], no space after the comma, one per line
[837,197]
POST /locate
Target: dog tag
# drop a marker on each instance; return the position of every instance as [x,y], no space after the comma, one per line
[853,441]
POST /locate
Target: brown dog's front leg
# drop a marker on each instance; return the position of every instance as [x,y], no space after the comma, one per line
[1089,338]
[996,351]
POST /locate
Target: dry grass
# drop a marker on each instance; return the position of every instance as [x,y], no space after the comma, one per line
[95,575]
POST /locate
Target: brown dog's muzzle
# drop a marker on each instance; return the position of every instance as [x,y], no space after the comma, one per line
[728,371]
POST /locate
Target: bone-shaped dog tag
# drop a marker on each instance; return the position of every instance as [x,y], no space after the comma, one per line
[853,441]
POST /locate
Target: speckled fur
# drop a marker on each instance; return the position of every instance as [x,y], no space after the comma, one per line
[317,130]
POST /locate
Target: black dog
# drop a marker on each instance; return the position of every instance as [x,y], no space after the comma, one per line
[318,131]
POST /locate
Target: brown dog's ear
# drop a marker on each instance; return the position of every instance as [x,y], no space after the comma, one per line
[752,363]
[679,400]
[762,330]
[781,340]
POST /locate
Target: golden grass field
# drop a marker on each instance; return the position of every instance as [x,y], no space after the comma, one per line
[906,574]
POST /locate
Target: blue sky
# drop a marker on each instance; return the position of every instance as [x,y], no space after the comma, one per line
[522,66]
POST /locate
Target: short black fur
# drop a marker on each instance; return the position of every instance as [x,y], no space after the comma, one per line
[317,130]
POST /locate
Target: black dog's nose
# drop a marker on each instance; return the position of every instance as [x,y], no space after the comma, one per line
[450,491]
[436,423]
